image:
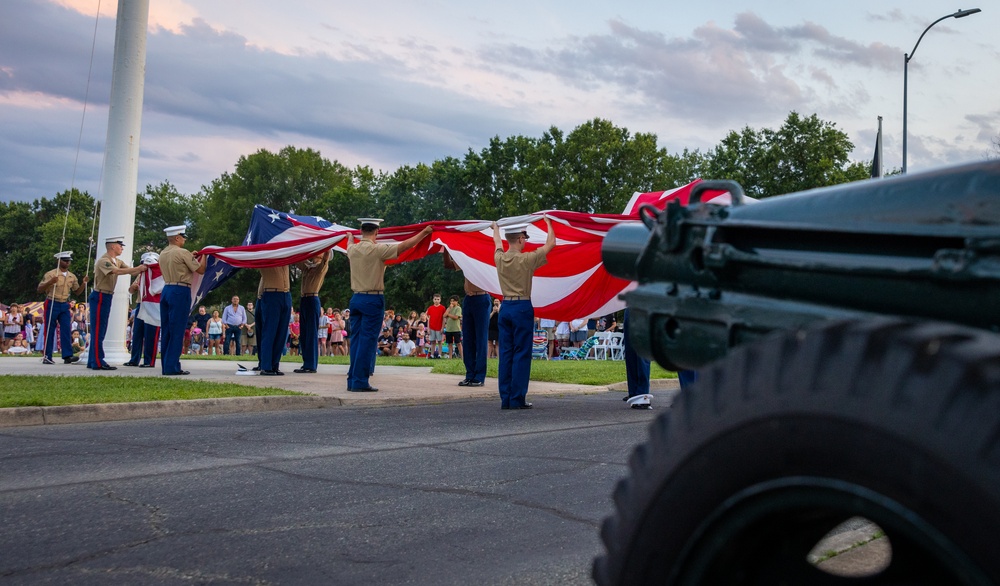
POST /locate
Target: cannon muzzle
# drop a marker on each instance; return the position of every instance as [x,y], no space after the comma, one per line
[623,245]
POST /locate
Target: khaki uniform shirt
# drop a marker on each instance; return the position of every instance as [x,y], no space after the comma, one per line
[514,270]
[312,277]
[60,290]
[177,265]
[275,279]
[104,279]
[368,264]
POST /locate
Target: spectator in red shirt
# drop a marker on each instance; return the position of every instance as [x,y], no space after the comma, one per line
[435,327]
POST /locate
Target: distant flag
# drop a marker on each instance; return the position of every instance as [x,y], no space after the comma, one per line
[876,170]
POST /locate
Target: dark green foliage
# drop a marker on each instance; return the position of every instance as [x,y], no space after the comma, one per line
[804,153]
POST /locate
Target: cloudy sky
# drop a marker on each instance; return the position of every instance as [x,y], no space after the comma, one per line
[389,83]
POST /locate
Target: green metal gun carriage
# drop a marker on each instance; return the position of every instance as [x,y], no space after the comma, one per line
[848,352]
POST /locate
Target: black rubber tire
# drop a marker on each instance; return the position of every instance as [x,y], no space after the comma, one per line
[782,440]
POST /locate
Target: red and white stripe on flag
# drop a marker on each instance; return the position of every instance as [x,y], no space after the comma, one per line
[573,283]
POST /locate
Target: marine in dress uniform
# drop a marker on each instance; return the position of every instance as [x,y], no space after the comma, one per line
[367,259]
[177,266]
[275,313]
[106,272]
[145,335]
[57,285]
[313,273]
[515,268]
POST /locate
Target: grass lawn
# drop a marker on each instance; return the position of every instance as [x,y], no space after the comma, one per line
[24,391]
[41,391]
[580,372]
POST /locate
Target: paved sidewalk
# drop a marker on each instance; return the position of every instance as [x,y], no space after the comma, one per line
[398,385]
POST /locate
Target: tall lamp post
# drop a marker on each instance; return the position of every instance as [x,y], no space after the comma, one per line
[906,62]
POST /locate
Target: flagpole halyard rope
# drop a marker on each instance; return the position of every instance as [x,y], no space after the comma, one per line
[72,186]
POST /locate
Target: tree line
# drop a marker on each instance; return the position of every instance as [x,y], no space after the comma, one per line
[594,168]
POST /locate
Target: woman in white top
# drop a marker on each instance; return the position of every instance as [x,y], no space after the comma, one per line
[215,334]
[13,324]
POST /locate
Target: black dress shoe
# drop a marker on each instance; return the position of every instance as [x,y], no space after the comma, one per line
[108,367]
[525,406]
[130,363]
[474,383]
[178,373]
[49,361]
[255,369]
[464,383]
[304,371]
[363,390]
[71,359]
[269,373]
[145,366]
[278,372]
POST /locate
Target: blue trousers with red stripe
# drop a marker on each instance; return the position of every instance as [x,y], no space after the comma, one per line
[144,339]
[100,310]
[516,323]
[175,305]
[57,314]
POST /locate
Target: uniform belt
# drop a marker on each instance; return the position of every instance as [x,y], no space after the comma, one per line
[179,284]
[378,292]
[310,294]
[275,290]
[516,298]
[480,293]
[105,292]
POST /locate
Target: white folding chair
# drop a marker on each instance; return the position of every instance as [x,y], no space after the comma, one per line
[600,349]
[616,346]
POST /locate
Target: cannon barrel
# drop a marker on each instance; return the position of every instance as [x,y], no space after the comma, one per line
[712,277]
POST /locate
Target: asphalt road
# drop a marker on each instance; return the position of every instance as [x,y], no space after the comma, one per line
[454,493]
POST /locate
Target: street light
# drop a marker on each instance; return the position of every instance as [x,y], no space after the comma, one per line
[906,62]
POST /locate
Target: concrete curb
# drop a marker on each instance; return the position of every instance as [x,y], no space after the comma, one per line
[26,416]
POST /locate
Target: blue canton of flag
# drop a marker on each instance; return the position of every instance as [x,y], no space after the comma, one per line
[266,225]
[217,272]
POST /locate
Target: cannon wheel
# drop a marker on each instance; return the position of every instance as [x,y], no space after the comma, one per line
[784,439]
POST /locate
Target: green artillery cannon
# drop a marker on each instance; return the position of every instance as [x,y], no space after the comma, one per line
[847,345]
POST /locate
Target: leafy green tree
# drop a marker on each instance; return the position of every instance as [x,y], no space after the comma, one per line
[159,207]
[605,164]
[33,233]
[17,231]
[804,153]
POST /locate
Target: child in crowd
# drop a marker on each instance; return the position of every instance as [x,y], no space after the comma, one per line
[77,342]
[323,333]
[19,345]
[338,331]
[421,340]
[197,339]
[435,326]
[453,327]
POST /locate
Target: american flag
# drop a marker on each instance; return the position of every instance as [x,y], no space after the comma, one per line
[572,284]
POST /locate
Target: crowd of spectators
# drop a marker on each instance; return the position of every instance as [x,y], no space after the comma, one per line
[24,328]
[433,333]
